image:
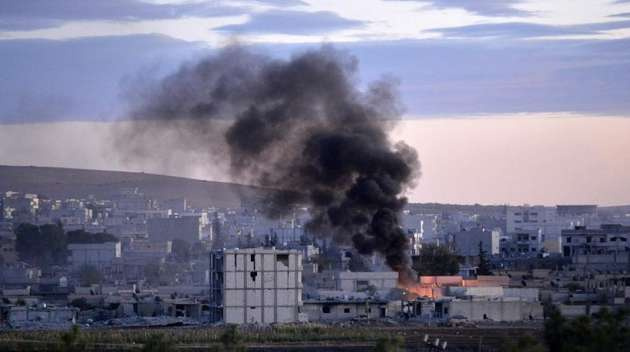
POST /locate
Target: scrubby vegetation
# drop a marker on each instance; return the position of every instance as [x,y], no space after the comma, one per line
[229,338]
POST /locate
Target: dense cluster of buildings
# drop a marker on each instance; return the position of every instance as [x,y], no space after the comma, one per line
[162,260]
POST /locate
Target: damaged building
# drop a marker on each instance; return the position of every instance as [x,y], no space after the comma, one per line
[256,285]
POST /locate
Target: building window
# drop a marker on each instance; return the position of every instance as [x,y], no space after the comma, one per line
[283,258]
[568,239]
[362,285]
[346,310]
[326,309]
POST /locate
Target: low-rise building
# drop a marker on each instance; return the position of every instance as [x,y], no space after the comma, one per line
[97,254]
[187,228]
[346,309]
[467,242]
[504,310]
[607,247]
[15,315]
[360,281]
[147,249]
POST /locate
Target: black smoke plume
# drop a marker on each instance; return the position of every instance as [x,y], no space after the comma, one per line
[299,127]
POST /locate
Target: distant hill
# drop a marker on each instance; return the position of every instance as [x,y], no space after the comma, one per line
[61,183]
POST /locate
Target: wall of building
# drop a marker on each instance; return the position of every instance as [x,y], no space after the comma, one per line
[357,281]
[338,310]
[467,242]
[258,285]
[21,314]
[496,310]
[97,254]
[187,228]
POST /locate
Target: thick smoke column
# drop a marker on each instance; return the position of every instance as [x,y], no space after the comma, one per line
[299,127]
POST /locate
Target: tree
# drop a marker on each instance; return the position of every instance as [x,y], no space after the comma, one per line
[71,341]
[525,343]
[81,303]
[484,264]
[157,343]
[436,260]
[41,245]
[181,250]
[231,339]
[604,331]
[90,275]
[27,242]
[390,344]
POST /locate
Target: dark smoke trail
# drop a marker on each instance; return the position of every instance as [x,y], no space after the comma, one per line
[299,127]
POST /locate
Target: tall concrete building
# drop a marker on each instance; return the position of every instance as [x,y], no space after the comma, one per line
[255,285]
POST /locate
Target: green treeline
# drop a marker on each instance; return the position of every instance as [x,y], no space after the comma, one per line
[47,244]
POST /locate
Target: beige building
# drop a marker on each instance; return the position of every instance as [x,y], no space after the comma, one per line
[256,285]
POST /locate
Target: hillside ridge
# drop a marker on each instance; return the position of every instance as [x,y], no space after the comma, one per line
[61,183]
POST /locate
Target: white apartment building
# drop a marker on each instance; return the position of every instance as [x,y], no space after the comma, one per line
[531,219]
[545,224]
[256,285]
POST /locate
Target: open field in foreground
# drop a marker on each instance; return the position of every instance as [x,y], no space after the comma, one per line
[278,338]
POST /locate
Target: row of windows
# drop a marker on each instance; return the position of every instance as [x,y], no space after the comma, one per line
[601,239]
[530,214]
[326,310]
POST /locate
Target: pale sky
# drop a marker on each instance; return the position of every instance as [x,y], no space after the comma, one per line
[533,159]
[519,101]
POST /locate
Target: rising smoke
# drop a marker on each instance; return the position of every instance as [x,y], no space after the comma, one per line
[299,127]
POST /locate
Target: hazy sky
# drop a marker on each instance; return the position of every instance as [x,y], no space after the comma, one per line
[550,73]
[490,160]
